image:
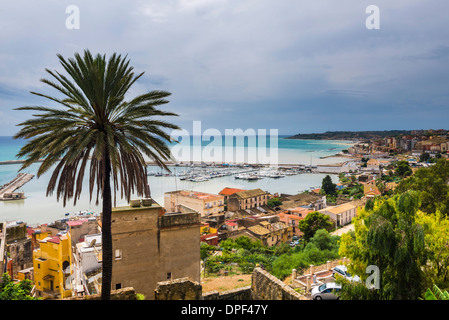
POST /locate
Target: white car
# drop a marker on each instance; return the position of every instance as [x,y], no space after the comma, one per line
[326,291]
[343,271]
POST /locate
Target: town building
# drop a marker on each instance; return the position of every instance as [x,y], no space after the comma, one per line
[209,235]
[373,165]
[310,200]
[88,265]
[291,220]
[81,227]
[226,192]
[341,214]
[247,199]
[272,234]
[18,249]
[3,255]
[370,189]
[52,267]
[205,203]
[151,244]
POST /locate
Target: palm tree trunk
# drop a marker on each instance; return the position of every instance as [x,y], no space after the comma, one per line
[106,234]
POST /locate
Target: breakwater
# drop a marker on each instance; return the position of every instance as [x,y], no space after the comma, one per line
[7,190]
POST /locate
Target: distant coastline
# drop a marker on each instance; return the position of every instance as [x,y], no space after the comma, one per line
[349,135]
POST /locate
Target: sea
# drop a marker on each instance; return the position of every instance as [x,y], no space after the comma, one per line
[38,208]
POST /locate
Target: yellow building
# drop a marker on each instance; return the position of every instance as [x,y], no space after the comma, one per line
[52,267]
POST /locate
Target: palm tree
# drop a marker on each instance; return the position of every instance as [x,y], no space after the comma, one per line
[95,126]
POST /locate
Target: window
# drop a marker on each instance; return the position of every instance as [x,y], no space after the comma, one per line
[118,286]
[168,275]
[118,254]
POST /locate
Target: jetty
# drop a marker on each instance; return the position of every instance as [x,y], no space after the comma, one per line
[7,190]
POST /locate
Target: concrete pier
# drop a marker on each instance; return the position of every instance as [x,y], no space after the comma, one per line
[7,190]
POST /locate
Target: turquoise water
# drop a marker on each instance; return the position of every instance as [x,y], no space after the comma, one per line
[38,208]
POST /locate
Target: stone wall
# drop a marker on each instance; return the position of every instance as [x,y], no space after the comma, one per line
[179,289]
[121,294]
[181,219]
[265,286]
[16,232]
[243,293]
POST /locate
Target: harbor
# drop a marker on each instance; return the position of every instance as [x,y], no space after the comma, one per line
[204,172]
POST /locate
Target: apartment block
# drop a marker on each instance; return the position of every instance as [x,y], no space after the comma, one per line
[205,203]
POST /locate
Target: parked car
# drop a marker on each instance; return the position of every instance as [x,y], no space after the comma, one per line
[343,271]
[326,291]
[292,244]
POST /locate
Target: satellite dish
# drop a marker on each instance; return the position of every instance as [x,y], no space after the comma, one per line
[92,243]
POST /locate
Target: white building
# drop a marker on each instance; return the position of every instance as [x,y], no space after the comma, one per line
[87,258]
[341,214]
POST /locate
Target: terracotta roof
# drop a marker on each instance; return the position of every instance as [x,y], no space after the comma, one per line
[228,191]
[290,216]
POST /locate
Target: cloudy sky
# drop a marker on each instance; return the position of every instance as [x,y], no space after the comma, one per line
[293,65]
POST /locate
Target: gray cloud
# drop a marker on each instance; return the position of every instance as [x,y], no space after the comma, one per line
[265,64]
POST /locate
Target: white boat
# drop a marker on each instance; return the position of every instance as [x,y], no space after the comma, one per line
[252,177]
[276,175]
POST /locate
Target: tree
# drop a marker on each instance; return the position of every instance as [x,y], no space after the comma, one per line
[403,169]
[9,290]
[356,291]
[390,238]
[433,187]
[380,186]
[424,157]
[95,125]
[321,248]
[274,202]
[436,294]
[313,222]
[328,186]
[436,230]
